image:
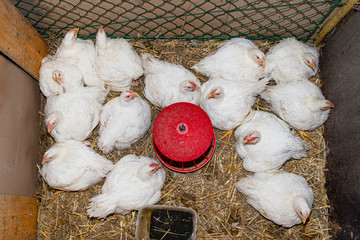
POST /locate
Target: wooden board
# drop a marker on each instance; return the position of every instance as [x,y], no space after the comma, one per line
[18,217]
[19,40]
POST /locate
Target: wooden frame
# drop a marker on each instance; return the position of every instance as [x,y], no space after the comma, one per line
[21,43]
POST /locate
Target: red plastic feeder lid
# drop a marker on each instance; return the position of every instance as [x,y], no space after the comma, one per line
[183,132]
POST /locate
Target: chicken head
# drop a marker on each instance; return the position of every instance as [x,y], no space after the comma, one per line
[309,61]
[252,138]
[70,36]
[258,56]
[128,95]
[101,38]
[188,86]
[216,92]
[302,209]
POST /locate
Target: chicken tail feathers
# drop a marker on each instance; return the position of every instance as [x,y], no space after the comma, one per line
[101,206]
[151,63]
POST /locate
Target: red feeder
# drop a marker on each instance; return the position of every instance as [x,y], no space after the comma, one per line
[184,139]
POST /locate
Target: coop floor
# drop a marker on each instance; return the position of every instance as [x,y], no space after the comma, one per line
[222,211]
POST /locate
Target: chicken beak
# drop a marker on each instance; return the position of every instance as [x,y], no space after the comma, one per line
[155,167]
[194,86]
[212,94]
[49,127]
[75,31]
[45,159]
[330,104]
[101,29]
[262,62]
[57,79]
[304,218]
[313,65]
[133,94]
[246,140]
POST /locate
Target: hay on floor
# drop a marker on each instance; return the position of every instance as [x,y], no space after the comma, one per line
[222,211]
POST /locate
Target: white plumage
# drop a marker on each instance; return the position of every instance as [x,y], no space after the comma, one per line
[116,62]
[265,142]
[72,166]
[73,115]
[57,76]
[284,198]
[301,104]
[167,83]
[291,60]
[123,121]
[80,53]
[135,181]
[237,58]
[227,103]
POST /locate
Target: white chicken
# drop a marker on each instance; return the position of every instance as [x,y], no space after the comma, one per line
[116,62]
[73,115]
[167,83]
[237,58]
[282,197]
[265,142]
[80,53]
[57,76]
[73,166]
[301,104]
[135,181]
[123,121]
[291,60]
[227,103]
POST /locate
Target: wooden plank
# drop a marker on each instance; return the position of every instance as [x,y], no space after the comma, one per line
[18,216]
[19,40]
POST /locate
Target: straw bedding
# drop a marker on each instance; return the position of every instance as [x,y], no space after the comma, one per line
[222,211]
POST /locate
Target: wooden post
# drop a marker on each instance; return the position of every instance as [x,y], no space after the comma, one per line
[335,20]
[19,40]
[18,216]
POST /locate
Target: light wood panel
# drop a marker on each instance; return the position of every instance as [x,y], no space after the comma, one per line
[18,217]
[19,40]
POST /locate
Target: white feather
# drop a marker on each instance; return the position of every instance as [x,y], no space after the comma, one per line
[298,103]
[233,59]
[80,53]
[229,110]
[167,83]
[76,113]
[129,186]
[277,195]
[277,143]
[116,62]
[123,121]
[285,61]
[71,76]
[74,166]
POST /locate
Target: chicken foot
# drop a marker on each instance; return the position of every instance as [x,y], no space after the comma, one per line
[227,135]
[305,135]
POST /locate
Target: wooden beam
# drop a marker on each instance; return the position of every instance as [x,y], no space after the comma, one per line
[335,20]
[19,40]
[18,216]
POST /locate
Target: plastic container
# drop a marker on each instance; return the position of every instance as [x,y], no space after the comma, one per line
[157,222]
[184,139]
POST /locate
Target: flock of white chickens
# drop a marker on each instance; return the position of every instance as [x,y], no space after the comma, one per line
[77,79]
